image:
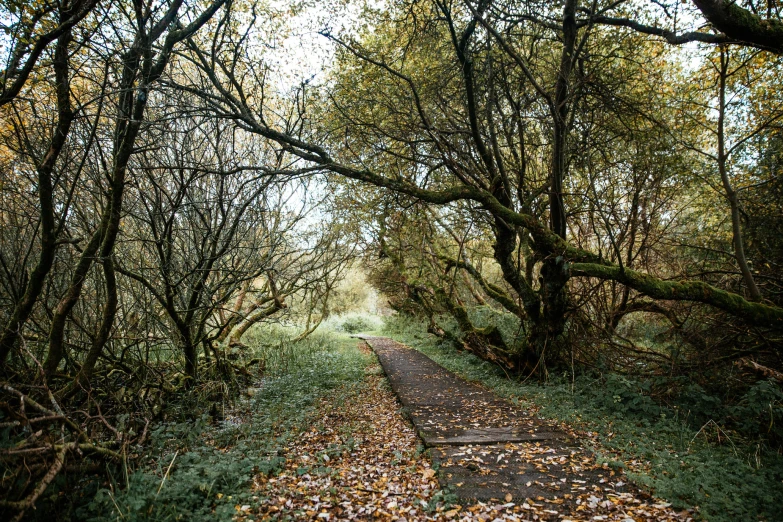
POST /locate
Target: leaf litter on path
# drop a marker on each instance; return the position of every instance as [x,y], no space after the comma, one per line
[362,460]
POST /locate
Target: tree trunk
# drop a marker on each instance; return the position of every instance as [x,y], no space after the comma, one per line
[557,213]
[486,343]
[191,362]
[236,314]
[82,379]
[132,103]
[731,194]
[255,317]
[550,324]
[66,304]
[13,328]
[554,277]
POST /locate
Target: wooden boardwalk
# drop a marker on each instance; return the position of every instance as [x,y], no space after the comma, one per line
[488,449]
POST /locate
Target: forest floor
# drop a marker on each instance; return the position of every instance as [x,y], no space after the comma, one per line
[322,435]
[362,460]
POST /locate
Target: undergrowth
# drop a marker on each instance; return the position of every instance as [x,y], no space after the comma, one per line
[354,322]
[676,449]
[201,469]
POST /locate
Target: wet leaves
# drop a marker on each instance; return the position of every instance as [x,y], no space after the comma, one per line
[360,462]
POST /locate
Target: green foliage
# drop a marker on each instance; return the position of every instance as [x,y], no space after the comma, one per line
[405,327]
[200,470]
[271,347]
[622,395]
[760,411]
[190,491]
[353,293]
[682,449]
[699,405]
[355,323]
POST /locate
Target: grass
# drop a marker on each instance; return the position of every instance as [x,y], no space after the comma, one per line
[354,322]
[690,465]
[200,470]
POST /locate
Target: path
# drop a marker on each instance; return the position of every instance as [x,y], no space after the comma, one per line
[488,449]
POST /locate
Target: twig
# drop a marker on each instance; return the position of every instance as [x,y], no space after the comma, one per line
[167,473]
[86,447]
[763,370]
[24,505]
[718,428]
[25,399]
[117,435]
[379,492]
[144,432]
[11,424]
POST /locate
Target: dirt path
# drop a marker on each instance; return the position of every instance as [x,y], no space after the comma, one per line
[360,461]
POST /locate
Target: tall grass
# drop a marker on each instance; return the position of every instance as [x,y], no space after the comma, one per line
[274,349]
[354,322]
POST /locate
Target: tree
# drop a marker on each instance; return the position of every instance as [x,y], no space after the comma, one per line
[470,104]
[139,70]
[45,168]
[731,23]
[31,29]
[211,218]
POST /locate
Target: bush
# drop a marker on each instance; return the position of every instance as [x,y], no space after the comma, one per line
[699,406]
[760,412]
[355,323]
[623,395]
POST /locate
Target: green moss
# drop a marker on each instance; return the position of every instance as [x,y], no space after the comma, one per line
[755,313]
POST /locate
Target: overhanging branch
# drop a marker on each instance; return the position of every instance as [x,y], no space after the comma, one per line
[495,292]
[754,313]
[743,25]
[670,36]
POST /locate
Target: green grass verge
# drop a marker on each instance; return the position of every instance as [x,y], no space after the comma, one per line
[199,470]
[676,460]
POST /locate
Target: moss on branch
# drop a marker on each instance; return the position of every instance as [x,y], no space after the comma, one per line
[549,244]
[493,291]
[758,314]
[743,25]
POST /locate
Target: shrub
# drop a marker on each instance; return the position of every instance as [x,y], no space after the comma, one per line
[621,394]
[355,323]
[760,412]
